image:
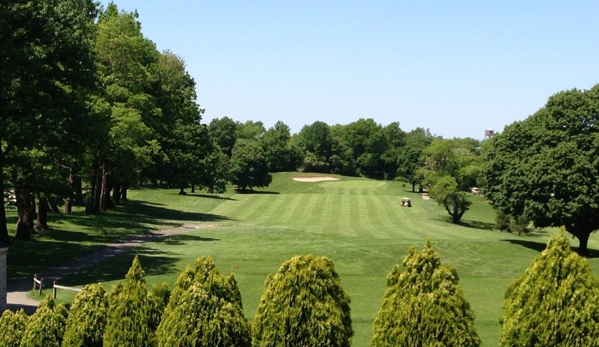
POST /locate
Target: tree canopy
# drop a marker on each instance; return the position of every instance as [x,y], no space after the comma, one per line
[546,168]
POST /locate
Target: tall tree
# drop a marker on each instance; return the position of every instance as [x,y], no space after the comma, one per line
[368,142]
[248,167]
[126,62]
[47,64]
[278,149]
[546,167]
[448,166]
[316,141]
[303,305]
[554,303]
[408,161]
[424,305]
[224,132]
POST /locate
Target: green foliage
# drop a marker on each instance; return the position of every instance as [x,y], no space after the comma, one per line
[224,132]
[204,310]
[303,304]
[424,305]
[130,316]
[249,168]
[502,221]
[546,167]
[87,318]
[47,325]
[554,303]
[450,167]
[12,326]
[408,160]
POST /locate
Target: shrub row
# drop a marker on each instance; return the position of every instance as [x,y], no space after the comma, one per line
[555,303]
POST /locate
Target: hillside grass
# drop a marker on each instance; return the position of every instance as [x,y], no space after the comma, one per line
[358,223]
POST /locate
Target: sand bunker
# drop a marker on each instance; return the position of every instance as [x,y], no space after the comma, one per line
[315,179]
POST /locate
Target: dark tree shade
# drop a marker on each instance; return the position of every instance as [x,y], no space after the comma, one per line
[424,305]
[303,305]
[554,303]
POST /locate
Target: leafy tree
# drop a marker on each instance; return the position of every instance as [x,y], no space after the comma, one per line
[449,166]
[46,326]
[547,166]
[12,326]
[224,132]
[250,130]
[248,167]
[130,317]
[279,153]
[47,64]
[127,61]
[554,303]
[408,160]
[316,138]
[87,318]
[303,305]
[424,305]
[367,141]
[204,310]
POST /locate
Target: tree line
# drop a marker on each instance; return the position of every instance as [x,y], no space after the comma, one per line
[90,107]
[554,303]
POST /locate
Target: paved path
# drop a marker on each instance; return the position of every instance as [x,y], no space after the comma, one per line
[17,290]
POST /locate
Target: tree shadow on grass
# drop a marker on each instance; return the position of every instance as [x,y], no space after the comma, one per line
[256,192]
[475,224]
[209,196]
[154,262]
[540,246]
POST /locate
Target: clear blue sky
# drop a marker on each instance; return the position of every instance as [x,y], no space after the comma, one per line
[455,67]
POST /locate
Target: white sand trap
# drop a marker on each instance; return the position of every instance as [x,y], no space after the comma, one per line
[315,179]
[425,196]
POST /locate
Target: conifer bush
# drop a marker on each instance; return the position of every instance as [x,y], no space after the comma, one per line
[303,304]
[87,318]
[554,303]
[12,328]
[129,321]
[204,309]
[424,305]
[46,326]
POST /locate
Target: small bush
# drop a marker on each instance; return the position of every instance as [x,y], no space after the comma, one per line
[204,310]
[12,328]
[87,318]
[46,326]
[554,303]
[424,305]
[303,305]
[129,320]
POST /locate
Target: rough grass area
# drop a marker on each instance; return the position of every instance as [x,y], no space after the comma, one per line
[358,223]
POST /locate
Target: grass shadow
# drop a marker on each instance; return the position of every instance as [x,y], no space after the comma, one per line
[256,192]
[209,196]
[539,246]
[475,224]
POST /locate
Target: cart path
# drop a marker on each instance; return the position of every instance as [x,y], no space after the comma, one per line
[17,290]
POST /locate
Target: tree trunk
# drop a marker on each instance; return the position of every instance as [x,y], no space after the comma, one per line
[583,239]
[104,190]
[3,228]
[78,189]
[68,206]
[54,207]
[124,192]
[116,193]
[26,212]
[193,188]
[413,187]
[92,195]
[182,192]
[42,214]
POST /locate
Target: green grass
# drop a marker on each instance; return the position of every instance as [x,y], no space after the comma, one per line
[356,222]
